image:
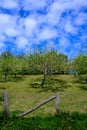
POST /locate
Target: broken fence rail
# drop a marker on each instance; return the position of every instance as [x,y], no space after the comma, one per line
[43,103]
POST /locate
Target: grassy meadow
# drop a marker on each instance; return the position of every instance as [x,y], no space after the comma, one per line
[25,93]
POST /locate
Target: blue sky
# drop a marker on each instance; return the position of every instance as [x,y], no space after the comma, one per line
[29,24]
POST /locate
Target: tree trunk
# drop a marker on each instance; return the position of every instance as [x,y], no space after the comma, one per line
[5,77]
[15,75]
[86,80]
[44,78]
[43,81]
[5,74]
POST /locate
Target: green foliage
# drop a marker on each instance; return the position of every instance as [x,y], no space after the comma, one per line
[80,64]
[6,64]
[18,65]
[60,121]
[40,62]
[55,63]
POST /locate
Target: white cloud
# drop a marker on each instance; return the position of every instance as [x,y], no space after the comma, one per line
[64,42]
[54,13]
[6,21]
[2,38]
[34,4]
[21,42]
[69,28]
[12,32]
[8,4]
[79,3]
[27,26]
[80,19]
[59,6]
[2,45]
[30,25]
[48,33]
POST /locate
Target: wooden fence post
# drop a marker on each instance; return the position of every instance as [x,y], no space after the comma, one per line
[6,104]
[57,102]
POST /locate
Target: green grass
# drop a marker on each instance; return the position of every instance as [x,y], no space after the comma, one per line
[60,121]
[25,93]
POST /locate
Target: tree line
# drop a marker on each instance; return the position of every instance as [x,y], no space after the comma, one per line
[40,62]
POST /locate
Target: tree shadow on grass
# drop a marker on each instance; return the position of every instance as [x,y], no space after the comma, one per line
[56,85]
[35,85]
[1,97]
[2,87]
[58,121]
[11,78]
[80,84]
[83,87]
[52,84]
[78,81]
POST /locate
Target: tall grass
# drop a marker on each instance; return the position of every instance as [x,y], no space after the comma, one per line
[59,121]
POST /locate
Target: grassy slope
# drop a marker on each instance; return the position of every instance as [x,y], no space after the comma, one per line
[25,94]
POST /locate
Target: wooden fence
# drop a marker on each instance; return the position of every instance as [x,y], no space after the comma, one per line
[6,104]
[56,97]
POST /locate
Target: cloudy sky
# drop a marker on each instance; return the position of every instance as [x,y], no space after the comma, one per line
[58,24]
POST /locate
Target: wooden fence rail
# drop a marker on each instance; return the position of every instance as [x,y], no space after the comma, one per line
[6,104]
[43,103]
